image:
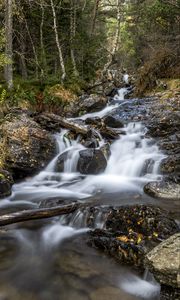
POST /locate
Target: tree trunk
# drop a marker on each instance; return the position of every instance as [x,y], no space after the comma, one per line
[35,214]
[8,69]
[61,60]
[116,40]
[96,6]
[43,54]
[72,34]
[23,66]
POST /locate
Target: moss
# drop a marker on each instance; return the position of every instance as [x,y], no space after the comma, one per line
[2,176]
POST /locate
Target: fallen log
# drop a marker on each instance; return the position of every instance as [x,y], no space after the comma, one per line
[50,121]
[35,214]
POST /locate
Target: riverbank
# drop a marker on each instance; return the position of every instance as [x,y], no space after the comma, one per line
[88,147]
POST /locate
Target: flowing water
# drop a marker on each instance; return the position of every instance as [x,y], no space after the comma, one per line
[50,259]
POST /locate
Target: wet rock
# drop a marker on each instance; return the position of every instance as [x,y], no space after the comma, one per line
[132,231]
[91,161]
[113,121]
[6,182]
[112,93]
[29,148]
[164,261]
[169,293]
[164,125]
[171,164]
[91,103]
[106,150]
[91,143]
[125,252]
[163,189]
[93,121]
[61,161]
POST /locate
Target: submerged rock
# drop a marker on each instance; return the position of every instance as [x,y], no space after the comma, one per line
[163,189]
[164,261]
[6,182]
[91,161]
[29,147]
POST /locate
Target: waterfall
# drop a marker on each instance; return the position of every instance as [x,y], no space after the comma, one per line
[134,161]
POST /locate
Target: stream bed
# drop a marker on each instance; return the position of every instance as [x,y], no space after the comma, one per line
[50,259]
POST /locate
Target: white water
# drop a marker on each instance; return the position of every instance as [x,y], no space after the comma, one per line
[134,161]
[126,78]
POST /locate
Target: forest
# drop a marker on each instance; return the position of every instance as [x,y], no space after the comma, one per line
[89,149]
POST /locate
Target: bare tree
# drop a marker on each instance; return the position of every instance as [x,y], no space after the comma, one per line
[8,69]
[61,60]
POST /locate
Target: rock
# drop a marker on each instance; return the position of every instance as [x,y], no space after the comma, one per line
[164,261]
[169,293]
[164,125]
[60,162]
[6,182]
[93,121]
[91,162]
[113,122]
[163,189]
[108,292]
[91,143]
[132,231]
[106,150]
[74,263]
[171,164]
[29,147]
[91,103]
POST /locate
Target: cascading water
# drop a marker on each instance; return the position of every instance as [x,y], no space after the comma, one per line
[134,160]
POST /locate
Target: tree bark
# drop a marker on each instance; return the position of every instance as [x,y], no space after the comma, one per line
[116,40]
[61,60]
[96,6]
[43,54]
[35,214]
[8,69]
[72,34]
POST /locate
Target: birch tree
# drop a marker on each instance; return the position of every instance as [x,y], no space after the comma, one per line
[61,60]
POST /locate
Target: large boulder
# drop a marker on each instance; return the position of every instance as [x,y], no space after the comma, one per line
[165,124]
[28,147]
[171,164]
[164,261]
[91,103]
[6,182]
[163,189]
[113,121]
[91,161]
[131,232]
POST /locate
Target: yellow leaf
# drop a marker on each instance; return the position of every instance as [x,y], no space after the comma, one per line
[123,238]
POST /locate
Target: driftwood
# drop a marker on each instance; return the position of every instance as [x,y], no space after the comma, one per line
[35,214]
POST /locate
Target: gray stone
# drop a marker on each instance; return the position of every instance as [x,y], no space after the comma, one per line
[164,261]
[91,162]
[163,189]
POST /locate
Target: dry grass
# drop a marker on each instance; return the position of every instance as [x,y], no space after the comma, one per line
[65,95]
